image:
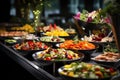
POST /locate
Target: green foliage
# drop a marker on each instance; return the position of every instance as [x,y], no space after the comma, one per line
[113,7]
[35,4]
[83,15]
[111,47]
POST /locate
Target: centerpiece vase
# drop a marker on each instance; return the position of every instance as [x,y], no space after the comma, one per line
[36,22]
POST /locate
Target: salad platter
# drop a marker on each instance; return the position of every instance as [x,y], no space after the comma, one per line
[86,71]
[52,39]
[29,47]
[57,55]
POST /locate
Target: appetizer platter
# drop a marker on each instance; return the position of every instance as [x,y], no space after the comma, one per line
[13,33]
[98,38]
[26,37]
[107,57]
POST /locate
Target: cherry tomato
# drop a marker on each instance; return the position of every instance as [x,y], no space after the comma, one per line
[45,47]
[97,69]
[30,42]
[55,26]
[48,58]
[16,46]
[24,48]
[69,56]
[111,69]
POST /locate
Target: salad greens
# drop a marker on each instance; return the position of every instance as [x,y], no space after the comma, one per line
[87,71]
[58,55]
[52,39]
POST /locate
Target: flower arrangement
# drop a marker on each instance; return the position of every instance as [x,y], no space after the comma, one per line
[92,17]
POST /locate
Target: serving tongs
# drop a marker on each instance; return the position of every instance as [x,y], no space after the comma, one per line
[116,77]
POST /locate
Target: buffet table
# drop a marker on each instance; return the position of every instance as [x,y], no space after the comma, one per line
[49,70]
[36,69]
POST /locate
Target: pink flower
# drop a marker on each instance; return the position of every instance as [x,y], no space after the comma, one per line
[89,19]
[77,16]
[107,20]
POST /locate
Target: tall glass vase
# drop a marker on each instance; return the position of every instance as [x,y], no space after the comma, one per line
[36,22]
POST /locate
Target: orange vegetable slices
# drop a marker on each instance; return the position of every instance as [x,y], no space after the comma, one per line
[77,45]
